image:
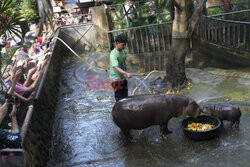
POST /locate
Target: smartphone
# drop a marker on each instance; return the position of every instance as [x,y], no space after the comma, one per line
[2,96]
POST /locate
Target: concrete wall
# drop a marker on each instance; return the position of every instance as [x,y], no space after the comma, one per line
[38,138]
[204,55]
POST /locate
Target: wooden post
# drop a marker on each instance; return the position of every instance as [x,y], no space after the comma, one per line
[224,33]
[220,31]
[215,29]
[212,30]
[234,35]
[229,33]
[142,41]
[163,38]
[131,42]
[152,38]
[168,39]
[209,29]
[147,39]
[205,26]
[136,40]
[239,35]
[158,39]
[245,36]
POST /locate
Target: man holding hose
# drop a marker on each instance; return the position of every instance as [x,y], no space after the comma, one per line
[118,68]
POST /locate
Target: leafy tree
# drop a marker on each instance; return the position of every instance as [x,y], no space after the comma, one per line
[45,13]
[10,18]
[185,18]
[27,9]
[10,22]
[183,26]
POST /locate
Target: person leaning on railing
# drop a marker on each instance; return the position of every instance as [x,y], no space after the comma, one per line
[13,139]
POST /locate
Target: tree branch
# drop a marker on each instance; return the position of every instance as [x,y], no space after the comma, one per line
[178,6]
[195,18]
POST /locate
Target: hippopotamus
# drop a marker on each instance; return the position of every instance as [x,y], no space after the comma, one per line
[142,111]
[224,111]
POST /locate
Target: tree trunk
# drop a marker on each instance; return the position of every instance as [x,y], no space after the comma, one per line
[181,33]
[176,62]
[175,71]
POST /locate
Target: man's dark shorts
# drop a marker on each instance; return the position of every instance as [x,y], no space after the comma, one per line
[120,88]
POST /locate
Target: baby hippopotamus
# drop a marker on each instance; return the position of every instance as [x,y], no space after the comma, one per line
[224,111]
[142,111]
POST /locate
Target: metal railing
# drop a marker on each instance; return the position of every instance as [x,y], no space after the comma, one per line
[243,15]
[234,6]
[232,34]
[145,39]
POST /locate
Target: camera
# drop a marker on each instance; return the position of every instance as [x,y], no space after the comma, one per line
[4,95]
[11,102]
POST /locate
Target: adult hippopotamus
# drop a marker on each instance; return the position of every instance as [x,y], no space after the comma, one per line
[224,111]
[142,111]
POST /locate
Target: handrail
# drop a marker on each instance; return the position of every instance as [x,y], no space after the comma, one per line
[26,122]
[229,21]
[76,25]
[138,27]
[241,11]
[217,6]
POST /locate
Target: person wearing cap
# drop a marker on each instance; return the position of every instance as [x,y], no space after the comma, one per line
[118,68]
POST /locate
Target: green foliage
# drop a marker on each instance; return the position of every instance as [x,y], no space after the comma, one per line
[214,11]
[161,8]
[171,9]
[235,1]
[10,21]
[10,17]
[46,17]
[27,8]
[6,58]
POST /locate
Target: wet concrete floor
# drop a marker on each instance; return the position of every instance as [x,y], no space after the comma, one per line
[85,135]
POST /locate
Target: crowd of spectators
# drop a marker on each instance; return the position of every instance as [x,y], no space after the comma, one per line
[62,19]
[23,74]
[21,77]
